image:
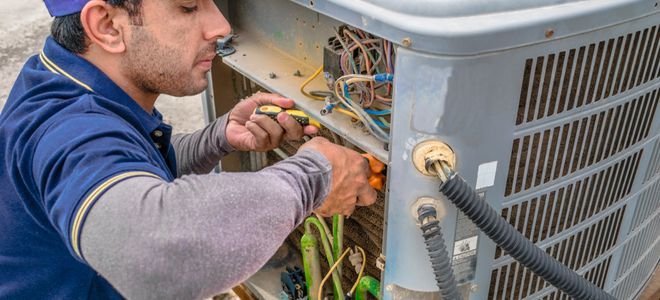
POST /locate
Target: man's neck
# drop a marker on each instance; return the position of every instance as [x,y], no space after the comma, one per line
[110,66]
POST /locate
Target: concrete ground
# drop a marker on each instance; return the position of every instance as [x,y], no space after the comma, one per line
[24,26]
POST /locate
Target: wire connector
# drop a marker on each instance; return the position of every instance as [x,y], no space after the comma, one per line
[383,77]
[327,109]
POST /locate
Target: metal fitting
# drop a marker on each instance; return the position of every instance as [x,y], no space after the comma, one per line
[429,152]
[406,42]
[223,46]
[417,210]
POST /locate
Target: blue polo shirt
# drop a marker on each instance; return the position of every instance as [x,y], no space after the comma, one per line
[67,134]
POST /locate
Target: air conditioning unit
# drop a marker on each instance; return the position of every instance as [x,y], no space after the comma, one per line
[550,107]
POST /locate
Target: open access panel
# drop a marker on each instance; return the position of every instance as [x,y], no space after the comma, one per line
[550,107]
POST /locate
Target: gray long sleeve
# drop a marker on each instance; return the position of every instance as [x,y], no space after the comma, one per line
[200,151]
[200,234]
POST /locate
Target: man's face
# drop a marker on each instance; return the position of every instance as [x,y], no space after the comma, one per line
[172,49]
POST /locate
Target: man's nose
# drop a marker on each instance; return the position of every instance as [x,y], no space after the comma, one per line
[215,24]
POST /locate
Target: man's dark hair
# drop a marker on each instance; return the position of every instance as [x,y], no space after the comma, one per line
[68,31]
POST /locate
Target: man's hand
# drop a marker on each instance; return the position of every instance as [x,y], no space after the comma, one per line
[350,184]
[250,132]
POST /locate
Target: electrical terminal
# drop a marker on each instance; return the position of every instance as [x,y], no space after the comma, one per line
[355,258]
[383,77]
[424,205]
[428,154]
[330,104]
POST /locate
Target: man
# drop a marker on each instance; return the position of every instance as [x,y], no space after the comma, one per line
[98,200]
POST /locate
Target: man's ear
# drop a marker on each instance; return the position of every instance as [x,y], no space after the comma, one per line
[103,25]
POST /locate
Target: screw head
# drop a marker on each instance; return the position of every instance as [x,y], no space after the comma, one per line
[406,42]
[549,33]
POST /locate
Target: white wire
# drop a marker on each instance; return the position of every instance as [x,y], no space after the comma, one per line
[375,130]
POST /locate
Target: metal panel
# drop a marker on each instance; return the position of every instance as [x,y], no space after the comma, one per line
[510,280]
[596,275]
[479,26]
[584,79]
[647,205]
[639,244]
[579,143]
[573,202]
[654,163]
[640,258]
[570,119]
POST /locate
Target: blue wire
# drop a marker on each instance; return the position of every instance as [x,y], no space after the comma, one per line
[380,124]
[374,112]
[369,111]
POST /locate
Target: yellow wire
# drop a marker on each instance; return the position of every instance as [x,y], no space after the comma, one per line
[364,262]
[346,112]
[307,81]
[334,266]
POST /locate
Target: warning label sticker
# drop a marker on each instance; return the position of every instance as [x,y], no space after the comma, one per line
[464,260]
[466,245]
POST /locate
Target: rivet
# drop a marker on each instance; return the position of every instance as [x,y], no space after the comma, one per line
[549,33]
[406,42]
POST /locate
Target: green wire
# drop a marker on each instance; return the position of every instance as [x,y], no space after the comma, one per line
[338,237]
[368,52]
[367,284]
[350,56]
[328,252]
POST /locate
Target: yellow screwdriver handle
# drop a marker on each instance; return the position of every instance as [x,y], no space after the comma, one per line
[301,117]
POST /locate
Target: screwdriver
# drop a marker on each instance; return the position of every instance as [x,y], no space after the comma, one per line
[376,168]
[301,117]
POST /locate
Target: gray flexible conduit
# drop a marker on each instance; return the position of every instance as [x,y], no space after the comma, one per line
[435,244]
[516,245]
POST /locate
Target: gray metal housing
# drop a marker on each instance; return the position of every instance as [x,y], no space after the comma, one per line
[551,107]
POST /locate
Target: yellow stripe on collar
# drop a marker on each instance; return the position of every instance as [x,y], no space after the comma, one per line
[50,65]
[86,205]
[43,61]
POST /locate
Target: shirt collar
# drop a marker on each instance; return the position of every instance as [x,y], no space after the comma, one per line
[61,61]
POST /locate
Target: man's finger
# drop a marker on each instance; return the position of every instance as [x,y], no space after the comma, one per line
[283,102]
[366,167]
[293,130]
[268,98]
[310,130]
[348,211]
[367,196]
[274,130]
[260,135]
[323,212]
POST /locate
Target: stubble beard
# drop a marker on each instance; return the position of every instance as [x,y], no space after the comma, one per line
[157,69]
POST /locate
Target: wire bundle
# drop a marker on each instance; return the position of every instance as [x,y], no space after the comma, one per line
[364,89]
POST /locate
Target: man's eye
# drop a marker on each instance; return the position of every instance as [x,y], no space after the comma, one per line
[189,9]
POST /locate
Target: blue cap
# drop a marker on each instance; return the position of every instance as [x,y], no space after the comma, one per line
[58,8]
